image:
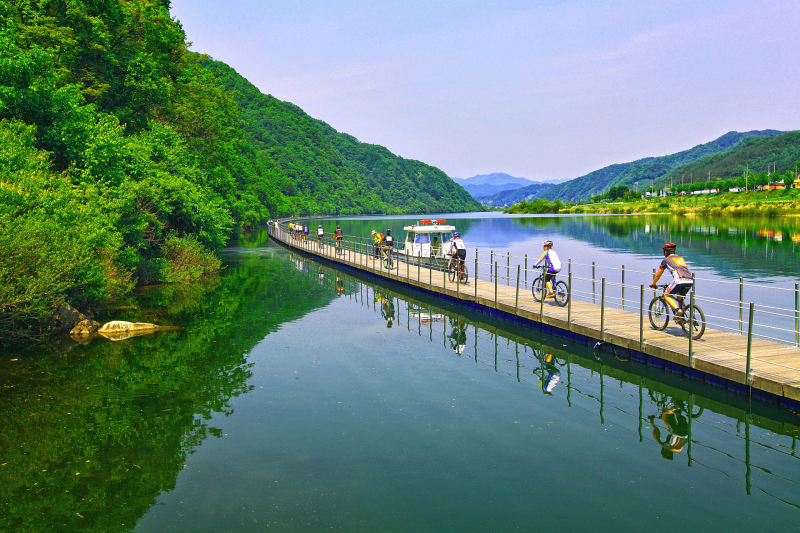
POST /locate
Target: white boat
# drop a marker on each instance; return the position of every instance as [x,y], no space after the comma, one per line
[428,240]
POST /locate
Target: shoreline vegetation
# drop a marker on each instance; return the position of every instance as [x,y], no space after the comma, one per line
[766,203]
[126,159]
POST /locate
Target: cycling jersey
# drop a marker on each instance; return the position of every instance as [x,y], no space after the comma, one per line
[319,232]
[378,238]
[677,267]
[550,258]
[338,234]
[457,245]
[388,241]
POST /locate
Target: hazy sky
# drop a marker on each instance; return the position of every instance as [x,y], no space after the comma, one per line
[537,89]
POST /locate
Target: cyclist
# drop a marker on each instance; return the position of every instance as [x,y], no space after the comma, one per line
[553,266]
[305,232]
[377,239]
[338,235]
[458,251]
[682,280]
[388,243]
[320,234]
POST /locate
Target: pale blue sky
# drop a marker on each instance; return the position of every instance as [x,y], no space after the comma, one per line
[542,90]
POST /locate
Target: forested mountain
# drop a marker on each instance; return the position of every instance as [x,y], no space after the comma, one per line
[587,186]
[764,154]
[517,195]
[125,157]
[315,169]
[644,170]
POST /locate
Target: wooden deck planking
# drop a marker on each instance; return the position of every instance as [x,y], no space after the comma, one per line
[775,367]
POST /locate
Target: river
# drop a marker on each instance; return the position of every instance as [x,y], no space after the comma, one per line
[300,398]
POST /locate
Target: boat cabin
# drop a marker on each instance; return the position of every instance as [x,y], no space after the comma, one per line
[428,238]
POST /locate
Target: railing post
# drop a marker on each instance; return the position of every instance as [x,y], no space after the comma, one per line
[741,303]
[593,285]
[691,326]
[491,262]
[641,318]
[408,267]
[749,344]
[796,315]
[419,262]
[526,272]
[602,306]
[541,299]
[430,275]
[569,299]
[458,284]
[475,276]
[516,299]
[623,287]
[508,269]
[444,282]
[495,284]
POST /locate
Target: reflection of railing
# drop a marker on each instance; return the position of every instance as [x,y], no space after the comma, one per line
[766,327]
[625,405]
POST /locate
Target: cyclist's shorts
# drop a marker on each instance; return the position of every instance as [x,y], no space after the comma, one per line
[549,277]
[679,288]
[461,253]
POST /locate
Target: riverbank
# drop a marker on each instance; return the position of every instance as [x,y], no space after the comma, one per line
[752,203]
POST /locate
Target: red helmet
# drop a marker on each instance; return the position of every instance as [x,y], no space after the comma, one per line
[670,246]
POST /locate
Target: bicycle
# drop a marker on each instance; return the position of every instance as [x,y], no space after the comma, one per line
[388,260]
[659,309]
[560,288]
[339,249]
[459,267]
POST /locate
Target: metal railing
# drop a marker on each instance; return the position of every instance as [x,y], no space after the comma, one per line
[608,288]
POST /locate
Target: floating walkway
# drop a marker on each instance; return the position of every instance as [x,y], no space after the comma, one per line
[717,358]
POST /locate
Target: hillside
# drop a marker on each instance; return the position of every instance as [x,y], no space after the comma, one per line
[644,170]
[587,186]
[756,155]
[315,169]
[513,196]
[489,184]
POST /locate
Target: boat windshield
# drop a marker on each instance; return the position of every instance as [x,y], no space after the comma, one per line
[422,238]
[446,237]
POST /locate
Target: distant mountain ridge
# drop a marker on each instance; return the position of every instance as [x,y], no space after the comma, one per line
[517,195]
[646,169]
[488,184]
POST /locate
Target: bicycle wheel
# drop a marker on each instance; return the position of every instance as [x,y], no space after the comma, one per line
[451,273]
[463,274]
[658,314]
[562,294]
[536,289]
[698,323]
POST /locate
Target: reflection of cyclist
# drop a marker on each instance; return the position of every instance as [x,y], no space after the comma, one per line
[339,286]
[552,266]
[458,251]
[676,421]
[387,310]
[681,279]
[551,375]
[458,335]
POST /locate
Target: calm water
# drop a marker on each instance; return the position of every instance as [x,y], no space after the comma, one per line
[299,398]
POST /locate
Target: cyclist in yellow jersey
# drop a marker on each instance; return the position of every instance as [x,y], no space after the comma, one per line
[682,280]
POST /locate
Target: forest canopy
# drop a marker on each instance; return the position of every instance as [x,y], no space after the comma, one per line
[115,139]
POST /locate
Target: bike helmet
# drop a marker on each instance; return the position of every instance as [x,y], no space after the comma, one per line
[388,231]
[548,242]
[374,232]
[457,234]
[669,246]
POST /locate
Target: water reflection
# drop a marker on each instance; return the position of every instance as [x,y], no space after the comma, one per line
[706,426]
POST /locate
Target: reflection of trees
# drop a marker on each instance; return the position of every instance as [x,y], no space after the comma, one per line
[102,430]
